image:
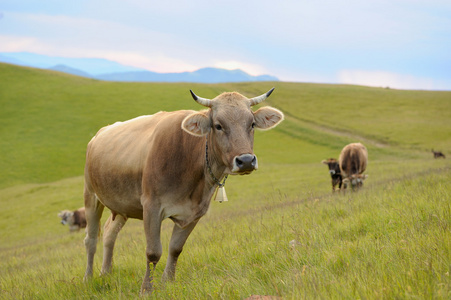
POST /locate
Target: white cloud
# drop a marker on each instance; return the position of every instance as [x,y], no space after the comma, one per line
[17,44]
[389,79]
[252,69]
[156,63]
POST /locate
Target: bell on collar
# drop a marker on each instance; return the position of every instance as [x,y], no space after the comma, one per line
[220,195]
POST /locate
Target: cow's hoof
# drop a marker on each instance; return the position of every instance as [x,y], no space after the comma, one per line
[146,289]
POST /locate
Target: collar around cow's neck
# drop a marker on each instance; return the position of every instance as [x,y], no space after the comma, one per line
[209,168]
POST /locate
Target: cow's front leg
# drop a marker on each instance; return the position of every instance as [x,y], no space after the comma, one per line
[152,226]
[178,239]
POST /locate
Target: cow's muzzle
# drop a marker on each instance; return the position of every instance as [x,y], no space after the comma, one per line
[245,164]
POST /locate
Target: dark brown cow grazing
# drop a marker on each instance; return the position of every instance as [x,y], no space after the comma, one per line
[155,167]
[335,172]
[353,161]
[438,154]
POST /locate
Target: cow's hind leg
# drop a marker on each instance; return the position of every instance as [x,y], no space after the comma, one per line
[178,239]
[93,210]
[113,225]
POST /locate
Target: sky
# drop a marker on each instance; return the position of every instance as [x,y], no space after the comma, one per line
[404,44]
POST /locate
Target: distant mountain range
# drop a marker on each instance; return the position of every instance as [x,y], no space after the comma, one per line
[103,69]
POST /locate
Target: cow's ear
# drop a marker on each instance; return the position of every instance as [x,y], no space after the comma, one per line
[267,117]
[197,124]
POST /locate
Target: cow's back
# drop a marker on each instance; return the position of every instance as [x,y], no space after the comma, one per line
[116,157]
[353,159]
[123,144]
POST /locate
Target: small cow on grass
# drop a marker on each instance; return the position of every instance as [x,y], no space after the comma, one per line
[353,161]
[75,219]
[168,165]
[335,172]
[438,154]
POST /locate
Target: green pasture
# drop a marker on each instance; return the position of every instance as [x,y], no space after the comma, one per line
[282,233]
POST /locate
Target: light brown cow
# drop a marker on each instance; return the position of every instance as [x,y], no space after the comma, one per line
[75,219]
[168,165]
[353,161]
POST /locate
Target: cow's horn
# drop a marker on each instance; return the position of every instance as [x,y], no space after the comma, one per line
[259,99]
[202,101]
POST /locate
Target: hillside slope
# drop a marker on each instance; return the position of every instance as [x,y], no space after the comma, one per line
[47,118]
[282,233]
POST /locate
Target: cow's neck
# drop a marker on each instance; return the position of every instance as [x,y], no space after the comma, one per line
[214,168]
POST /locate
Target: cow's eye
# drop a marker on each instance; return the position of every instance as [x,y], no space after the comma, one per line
[218,127]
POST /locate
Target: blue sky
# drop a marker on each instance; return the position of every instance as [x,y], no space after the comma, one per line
[397,43]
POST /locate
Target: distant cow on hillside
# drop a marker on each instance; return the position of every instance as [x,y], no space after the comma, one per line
[335,172]
[438,154]
[353,161]
[75,219]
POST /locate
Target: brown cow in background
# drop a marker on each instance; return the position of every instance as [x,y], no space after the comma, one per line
[335,172]
[353,161]
[438,154]
[74,219]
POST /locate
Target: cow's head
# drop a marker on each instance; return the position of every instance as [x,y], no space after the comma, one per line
[334,167]
[66,217]
[355,181]
[230,124]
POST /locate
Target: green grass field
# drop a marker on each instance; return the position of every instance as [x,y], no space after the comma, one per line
[390,240]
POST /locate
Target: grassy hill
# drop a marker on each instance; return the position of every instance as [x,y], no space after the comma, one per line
[47,118]
[389,240]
